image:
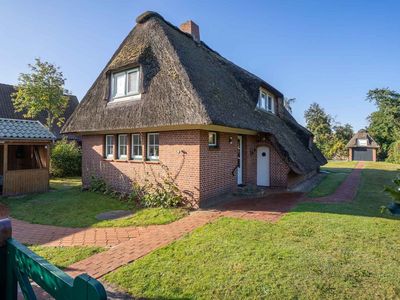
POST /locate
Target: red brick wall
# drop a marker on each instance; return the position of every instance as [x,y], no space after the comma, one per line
[278,168]
[179,151]
[216,166]
[202,173]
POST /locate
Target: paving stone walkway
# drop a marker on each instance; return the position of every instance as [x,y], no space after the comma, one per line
[130,243]
[347,191]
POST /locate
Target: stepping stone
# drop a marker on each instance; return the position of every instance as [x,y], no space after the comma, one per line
[114,214]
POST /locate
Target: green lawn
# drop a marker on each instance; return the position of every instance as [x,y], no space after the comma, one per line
[67,205]
[338,172]
[317,251]
[63,257]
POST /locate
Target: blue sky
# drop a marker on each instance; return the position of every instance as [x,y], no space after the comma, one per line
[330,52]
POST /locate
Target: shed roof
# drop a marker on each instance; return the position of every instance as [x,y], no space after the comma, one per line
[362,134]
[7,109]
[15,129]
[187,83]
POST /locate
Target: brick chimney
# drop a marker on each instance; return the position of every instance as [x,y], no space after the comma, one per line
[192,28]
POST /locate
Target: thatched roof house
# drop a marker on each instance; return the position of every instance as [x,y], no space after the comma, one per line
[183,85]
[7,109]
[362,146]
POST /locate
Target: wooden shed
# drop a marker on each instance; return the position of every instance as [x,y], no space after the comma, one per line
[24,156]
[362,147]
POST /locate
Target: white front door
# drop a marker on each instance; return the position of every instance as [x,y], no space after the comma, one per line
[240,160]
[263,166]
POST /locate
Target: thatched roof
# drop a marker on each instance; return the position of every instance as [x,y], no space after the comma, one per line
[187,83]
[7,108]
[363,135]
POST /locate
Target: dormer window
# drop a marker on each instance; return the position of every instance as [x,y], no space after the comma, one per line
[125,85]
[362,142]
[266,101]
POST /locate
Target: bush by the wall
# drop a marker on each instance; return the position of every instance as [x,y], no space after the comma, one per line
[65,159]
[394,153]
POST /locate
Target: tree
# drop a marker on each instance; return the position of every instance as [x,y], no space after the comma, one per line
[40,91]
[384,124]
[341,136]
[320,124]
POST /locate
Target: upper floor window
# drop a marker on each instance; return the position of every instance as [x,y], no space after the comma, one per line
[109,153]
[125,85]
[136,146]
[266,101]
[122,146]
[362,142]
[153,146]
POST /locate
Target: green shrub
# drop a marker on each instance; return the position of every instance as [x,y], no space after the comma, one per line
[394,153]
[66,159]
[98,185]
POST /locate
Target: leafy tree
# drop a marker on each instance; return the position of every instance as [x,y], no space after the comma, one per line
[320,124]
[40,91]
[341,136]
[66,159]
[384,124]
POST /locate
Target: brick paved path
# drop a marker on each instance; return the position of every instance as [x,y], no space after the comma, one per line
[347,190]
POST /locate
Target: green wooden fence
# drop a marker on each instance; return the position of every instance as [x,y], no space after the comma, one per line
[19,265]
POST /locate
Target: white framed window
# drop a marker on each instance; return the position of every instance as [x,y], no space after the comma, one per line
[362,142]
[122,146]
[212,139]
[266,101]
[125,85]
[136,146]
[153,146]
[109,153]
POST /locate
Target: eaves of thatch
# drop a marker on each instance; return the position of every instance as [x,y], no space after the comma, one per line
[184,82]
[364,135]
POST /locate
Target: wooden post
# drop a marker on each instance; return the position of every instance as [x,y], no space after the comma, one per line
[5,168]
[6,283]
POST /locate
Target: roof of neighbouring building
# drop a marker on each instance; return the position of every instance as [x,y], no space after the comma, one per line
[362,135]
[7,109]
[15,129]
[187,83]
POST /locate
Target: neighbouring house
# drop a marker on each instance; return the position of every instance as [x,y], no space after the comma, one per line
[362,147]
[24,156]
[7,110]
[165,99]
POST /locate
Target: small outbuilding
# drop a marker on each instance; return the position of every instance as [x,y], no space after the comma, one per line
[24,156]
[362,147]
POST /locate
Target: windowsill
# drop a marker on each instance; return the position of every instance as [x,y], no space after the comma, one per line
[265,110]
[125,98]
[136,160]
[213,147]
[152,161]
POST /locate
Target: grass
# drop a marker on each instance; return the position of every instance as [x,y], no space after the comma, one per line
[66,205]
[317,251]
[63,257]
[338,172]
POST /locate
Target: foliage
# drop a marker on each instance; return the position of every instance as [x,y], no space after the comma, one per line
[42,91]
[67,205]
[98,185]
[394,191]
[63,257]
[66,159]
[384,124]
[394,152]
[330,139]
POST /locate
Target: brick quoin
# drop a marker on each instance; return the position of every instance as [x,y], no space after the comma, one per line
[200,172]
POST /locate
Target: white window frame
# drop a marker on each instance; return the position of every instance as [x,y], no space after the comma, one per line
[363,144]
[133,145]
[214,137]
[109,155]
[122,156]
[266,101]
[134,95]
[153,157]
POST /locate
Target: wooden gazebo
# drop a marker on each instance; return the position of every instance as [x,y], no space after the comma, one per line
[24,156]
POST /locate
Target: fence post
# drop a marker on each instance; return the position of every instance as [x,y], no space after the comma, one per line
[5,234]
